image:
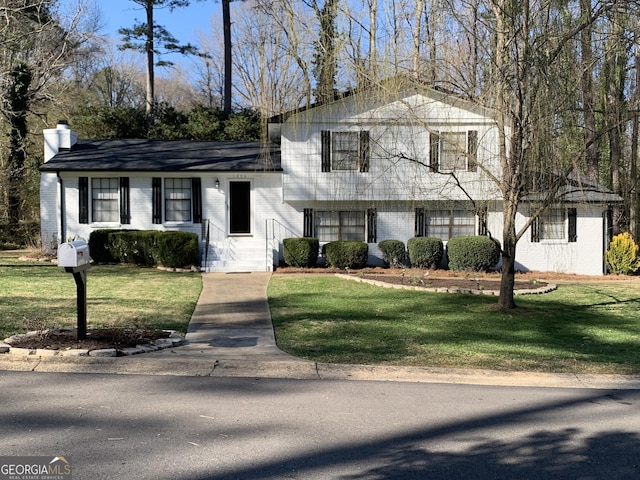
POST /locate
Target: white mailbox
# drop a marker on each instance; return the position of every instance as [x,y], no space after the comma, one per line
[73,254]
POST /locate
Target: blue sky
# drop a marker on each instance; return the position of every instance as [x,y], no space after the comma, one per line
[183,23]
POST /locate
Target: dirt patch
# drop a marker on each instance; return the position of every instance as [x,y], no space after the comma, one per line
[97,339]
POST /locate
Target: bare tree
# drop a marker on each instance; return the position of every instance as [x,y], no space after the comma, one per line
[35,49]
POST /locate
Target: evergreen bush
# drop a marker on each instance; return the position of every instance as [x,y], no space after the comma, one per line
[177,249]
[425,252]
[393,252]
[99,246]
[474,253]
[133,246]
[144,247]
[300,252]
[622,256]
[344,254]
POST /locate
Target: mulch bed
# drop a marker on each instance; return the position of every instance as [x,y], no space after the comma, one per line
[97,339]
[450,282]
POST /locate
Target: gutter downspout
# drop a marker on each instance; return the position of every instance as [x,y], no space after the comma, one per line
[63,225]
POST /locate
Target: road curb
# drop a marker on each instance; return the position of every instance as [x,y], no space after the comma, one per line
[307,370]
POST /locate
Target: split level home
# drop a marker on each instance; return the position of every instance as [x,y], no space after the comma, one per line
[366,167]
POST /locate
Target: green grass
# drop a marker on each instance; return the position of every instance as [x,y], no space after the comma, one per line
[590,328]
[39,296]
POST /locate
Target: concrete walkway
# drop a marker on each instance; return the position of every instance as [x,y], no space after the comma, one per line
[232,319]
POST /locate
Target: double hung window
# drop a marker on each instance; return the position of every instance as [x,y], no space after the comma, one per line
[177,199]
[103,200]
[345,151]
[105,194]
[555,223]
[444,224]
[453,151]
[352,225]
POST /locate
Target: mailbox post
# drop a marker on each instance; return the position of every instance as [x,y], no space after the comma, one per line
[74,257]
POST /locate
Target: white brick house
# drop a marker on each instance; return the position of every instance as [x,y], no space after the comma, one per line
[364,167]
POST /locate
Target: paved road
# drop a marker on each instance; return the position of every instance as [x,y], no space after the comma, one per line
[175,427]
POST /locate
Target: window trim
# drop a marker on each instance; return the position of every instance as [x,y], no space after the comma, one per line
[158,200]
[327,144]
[436,150]
[86,202]
[177,201]
[369,218]
[423,216]
[569,227]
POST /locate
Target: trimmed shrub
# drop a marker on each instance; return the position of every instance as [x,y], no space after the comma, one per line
[622,256]
[393,252]
[145,247]
[131,246]
[177,249]
[300,252]
[474,253]
[425,252]
[99,246]
[346,254]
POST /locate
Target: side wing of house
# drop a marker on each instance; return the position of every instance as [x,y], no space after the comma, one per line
[223,192]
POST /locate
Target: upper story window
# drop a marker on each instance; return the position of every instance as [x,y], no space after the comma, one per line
[345,151]
[454,151]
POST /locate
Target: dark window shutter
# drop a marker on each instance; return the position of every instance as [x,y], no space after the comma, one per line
[572,216]
[482,221]
[325,137]
[372,228]
[83,200]
[535,230]
[434,152]
[125,201]
[156,186]
[196,196]
[364,151]
[472,150]
[419,230]
[308,223]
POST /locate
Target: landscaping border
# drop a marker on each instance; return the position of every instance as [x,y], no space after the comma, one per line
[522,291]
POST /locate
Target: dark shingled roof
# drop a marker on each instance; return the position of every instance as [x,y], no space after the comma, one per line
[166,156]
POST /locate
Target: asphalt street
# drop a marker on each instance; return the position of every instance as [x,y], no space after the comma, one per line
[188,427]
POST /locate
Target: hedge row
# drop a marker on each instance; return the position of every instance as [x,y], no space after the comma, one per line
[475,253]
[145,247]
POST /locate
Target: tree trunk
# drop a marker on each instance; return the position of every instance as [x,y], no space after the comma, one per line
[226,27]
[588,100]
[18,99]
[507,278]
[149,48]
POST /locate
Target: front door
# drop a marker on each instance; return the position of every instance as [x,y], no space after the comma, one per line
[239,208]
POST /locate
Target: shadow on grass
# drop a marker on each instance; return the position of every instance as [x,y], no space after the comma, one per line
[338,322]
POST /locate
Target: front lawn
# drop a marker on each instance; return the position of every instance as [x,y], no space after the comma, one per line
[40,296]
[585,328]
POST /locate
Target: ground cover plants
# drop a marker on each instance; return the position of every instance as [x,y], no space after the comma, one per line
[580,327]
[39,295]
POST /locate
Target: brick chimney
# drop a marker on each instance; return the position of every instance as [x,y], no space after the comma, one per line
[59,138]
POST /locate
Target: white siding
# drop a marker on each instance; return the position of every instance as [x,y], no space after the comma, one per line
[585,256]
[250,252]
